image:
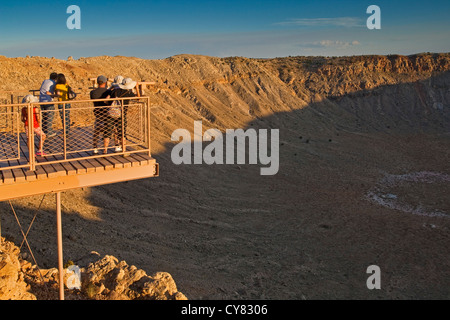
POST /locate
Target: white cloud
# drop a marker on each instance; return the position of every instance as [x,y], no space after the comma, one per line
[330,44]
[347,22]
[337,43]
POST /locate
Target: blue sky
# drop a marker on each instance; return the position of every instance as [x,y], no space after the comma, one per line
[263,29]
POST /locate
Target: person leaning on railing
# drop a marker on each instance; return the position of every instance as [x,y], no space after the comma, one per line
[100,109]
[124,90]
[62,90]
[46,94]
[36,127]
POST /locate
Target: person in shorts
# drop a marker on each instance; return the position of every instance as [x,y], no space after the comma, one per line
[119,125]
[36,122]
[100,109]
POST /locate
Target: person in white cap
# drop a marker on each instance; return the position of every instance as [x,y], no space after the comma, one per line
[36,122]
[117,80]
[124,90]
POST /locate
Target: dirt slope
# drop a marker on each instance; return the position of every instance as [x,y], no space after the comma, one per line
[347,126]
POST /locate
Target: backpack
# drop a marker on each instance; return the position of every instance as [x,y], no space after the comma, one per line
[115,110]
[70,93]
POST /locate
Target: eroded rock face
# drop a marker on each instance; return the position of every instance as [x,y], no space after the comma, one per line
[113,280]
[105,279]
[12,283]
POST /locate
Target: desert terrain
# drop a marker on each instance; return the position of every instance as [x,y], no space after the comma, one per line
[364,178]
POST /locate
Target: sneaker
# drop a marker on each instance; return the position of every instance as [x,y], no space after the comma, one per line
[95,151]
[41,154]
[118,149]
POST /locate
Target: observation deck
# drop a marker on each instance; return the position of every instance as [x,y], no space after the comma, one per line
[86,145]
[70,161]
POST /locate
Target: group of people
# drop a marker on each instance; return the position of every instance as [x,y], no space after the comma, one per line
[109,119]
[55,88]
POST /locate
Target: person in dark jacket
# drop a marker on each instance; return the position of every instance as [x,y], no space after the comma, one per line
[100,109]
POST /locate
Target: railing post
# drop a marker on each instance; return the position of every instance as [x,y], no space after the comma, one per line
[123,125]
[60,245]
[18,134]
[10,119]
[64,131]
[148,126]
[30,136]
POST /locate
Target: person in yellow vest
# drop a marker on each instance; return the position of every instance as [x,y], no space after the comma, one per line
[62,90]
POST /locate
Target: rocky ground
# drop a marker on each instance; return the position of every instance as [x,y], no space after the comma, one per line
[98,279]
[363,179]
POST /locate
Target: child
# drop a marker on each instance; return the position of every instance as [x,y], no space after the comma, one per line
[37,128]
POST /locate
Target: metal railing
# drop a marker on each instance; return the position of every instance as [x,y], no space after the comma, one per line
[75,130]
[9,133]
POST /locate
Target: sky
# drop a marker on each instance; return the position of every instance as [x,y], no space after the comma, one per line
[254,29]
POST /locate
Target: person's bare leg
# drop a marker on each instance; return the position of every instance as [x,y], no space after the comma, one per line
[106,145]
[41,142]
